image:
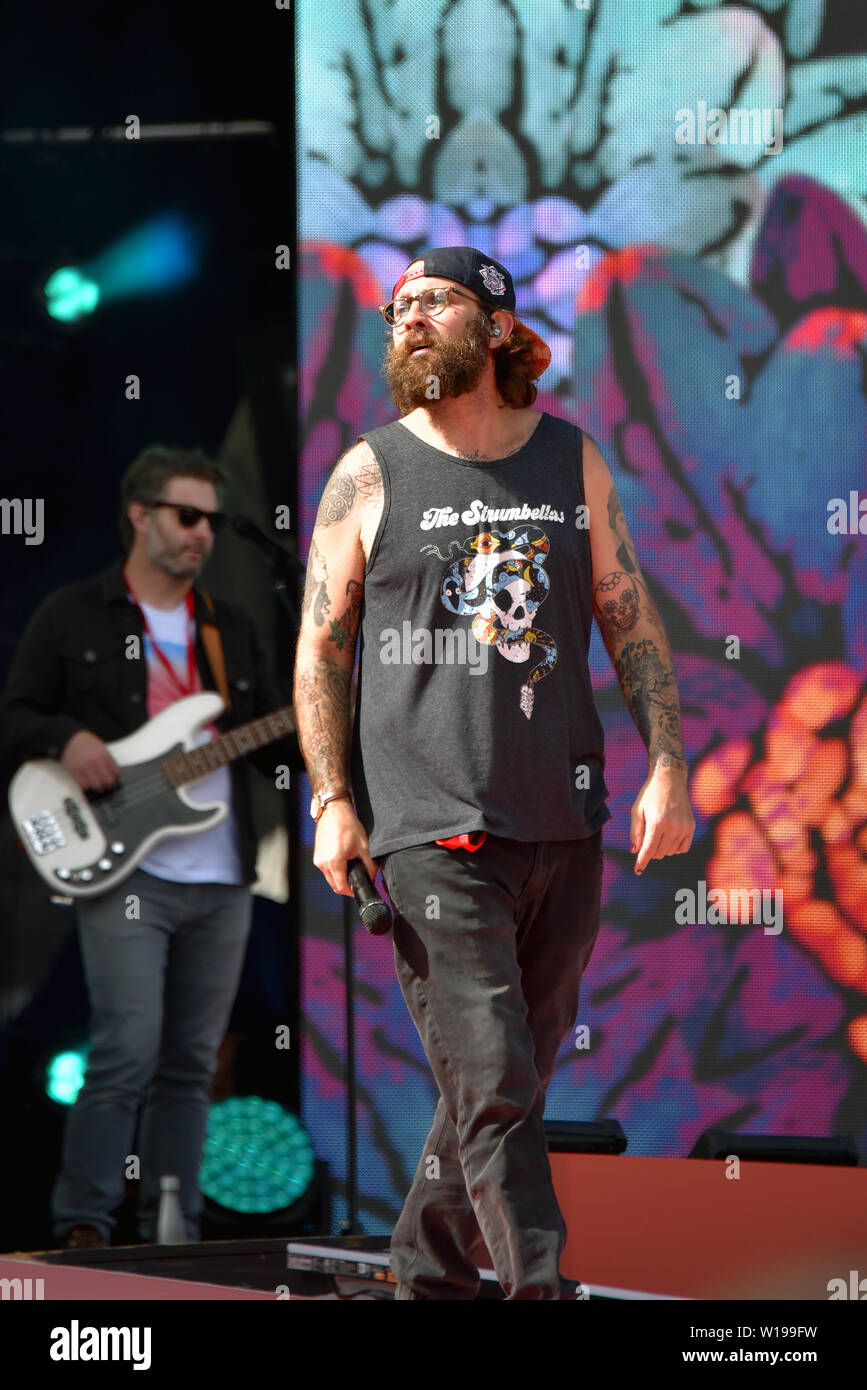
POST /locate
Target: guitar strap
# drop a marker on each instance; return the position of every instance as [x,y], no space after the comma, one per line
[213,644]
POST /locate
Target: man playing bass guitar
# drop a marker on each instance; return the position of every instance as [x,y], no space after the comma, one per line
[162,979]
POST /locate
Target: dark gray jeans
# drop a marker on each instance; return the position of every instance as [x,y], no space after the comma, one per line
[489,949]
[161,989]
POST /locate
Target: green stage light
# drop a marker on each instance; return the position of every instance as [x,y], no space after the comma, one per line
[64,1075]
[257,1156]
[70,294]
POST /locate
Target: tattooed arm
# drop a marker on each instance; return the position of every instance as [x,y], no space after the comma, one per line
[330,612]
[635,639]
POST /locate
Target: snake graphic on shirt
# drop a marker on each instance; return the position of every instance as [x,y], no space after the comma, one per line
[500,578]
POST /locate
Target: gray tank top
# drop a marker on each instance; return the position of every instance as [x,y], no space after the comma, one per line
[474,707]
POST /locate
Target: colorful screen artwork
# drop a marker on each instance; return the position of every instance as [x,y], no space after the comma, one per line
[680,200]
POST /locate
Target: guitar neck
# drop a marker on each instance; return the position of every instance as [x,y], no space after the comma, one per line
[188,767]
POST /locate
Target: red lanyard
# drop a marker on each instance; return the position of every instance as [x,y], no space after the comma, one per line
[191,647]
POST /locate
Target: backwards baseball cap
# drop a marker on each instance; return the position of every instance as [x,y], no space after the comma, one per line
[483,275]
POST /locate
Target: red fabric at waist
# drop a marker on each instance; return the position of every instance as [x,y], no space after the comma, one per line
[472,840]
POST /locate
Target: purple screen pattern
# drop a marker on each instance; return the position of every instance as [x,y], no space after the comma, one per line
[709,335]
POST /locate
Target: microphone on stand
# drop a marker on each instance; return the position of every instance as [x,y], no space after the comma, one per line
[374,913]
[248,529]
[278,560]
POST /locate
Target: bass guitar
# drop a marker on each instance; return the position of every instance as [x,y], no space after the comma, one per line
[84,843]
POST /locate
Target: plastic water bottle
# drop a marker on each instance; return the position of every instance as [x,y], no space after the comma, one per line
[171,1227]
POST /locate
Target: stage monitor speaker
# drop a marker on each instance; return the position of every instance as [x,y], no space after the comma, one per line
[584,1136]
[777,1148]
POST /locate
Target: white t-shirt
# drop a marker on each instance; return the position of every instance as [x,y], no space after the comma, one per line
[211,856]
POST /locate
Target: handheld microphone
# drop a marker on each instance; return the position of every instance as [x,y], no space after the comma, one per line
[374,913]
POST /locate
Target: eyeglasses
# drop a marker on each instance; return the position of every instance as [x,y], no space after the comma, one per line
[190,516]
[432,302]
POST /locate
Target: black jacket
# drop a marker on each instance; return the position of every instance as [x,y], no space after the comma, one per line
[71,672]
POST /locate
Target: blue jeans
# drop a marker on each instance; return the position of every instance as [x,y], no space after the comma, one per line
[489,949]
[161,988]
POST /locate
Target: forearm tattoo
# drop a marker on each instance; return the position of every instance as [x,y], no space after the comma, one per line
[322,716]
[621,602]
[634,636]
[647,681]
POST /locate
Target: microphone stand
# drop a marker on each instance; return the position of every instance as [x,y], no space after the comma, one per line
[282,563]
[350,1226]
[281,589]
[281,570]
[278,560]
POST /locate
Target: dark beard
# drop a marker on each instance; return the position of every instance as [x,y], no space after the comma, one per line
[458,363]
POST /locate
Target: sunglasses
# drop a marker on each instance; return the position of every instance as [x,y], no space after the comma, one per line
[190,516]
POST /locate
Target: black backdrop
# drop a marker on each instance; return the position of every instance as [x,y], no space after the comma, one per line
[68,431]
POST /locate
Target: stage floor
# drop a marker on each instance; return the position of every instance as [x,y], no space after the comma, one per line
[641,1229]
[220,1270]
